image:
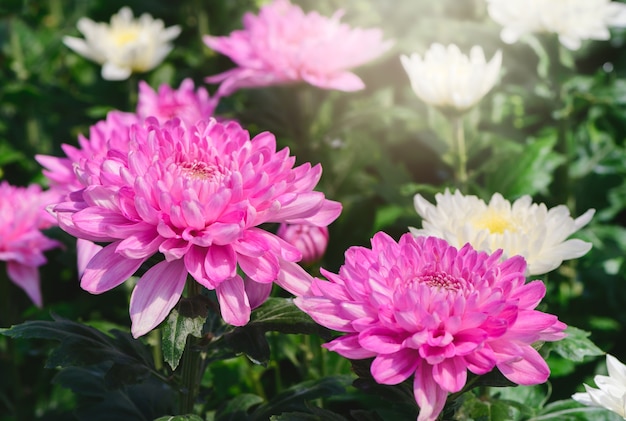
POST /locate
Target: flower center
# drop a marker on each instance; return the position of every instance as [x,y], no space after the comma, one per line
[495,222]
[125,36]
[439,280]
[198,170]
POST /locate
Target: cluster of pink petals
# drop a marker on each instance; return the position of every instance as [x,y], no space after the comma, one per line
[194,195]
[284,45]
[310,240]
[185,103]
[421,307]
[22,244]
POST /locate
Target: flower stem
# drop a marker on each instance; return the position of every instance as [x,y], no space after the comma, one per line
[461,152]
[190,365]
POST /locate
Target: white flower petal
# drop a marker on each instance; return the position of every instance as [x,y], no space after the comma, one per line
[447,78]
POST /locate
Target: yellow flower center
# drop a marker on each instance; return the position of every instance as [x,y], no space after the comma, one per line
[125,36]
[495,222]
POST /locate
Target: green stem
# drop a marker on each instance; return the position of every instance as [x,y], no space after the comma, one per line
[8,317]
[190,365]
[461,152]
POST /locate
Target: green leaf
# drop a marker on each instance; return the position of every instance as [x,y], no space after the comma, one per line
[174,335]
[81,345]
[282,315]
[528,172]
[316,414]
[179,418]
[478,409]
[249,340]
[95,402]
[295,397]
[237,409]
[570,410]
[576,345]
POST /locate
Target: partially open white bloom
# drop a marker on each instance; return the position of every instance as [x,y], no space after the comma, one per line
[611,392]
[449,79]
[125,46]
[572,20]
[523,228]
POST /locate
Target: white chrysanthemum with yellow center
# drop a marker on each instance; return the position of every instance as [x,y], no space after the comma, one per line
[449,79]
[124,46]
[522,228]
[572,20]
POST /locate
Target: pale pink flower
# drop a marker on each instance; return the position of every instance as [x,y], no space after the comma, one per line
[22,244]
[283,45]
[195,196]
[421,307]
[310,240]
[184,103]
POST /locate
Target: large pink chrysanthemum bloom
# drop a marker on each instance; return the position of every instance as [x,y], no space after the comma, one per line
[22,244]
[195,196]
[283,45]
[114,133]
[185,103]
[421,307]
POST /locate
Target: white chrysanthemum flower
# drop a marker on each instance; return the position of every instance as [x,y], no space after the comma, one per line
[449,79]
[611,392]
[572,20]
[523,228]
[126,45]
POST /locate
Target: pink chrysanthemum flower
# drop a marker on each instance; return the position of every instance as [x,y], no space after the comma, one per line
[196,196]
[114,133]
[22,244]
[283,45]
[310,240]
[421,307]
[184,103]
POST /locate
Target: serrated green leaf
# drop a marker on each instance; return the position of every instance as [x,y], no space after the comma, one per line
[576,345]
[81,345]
[529,172]
[174,335]
[282,315]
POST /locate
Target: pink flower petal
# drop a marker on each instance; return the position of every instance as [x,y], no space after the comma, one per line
[220,263]
[257,292]
[85,251]
[430,397]
[395,368]
[528,369]
[450,374]
[234,304]
[293,278]
[27,278]
[155,294]
[140,245]
[348,346]
[108,269]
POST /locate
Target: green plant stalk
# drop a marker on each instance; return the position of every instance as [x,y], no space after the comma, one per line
[460,152]
[190,366]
